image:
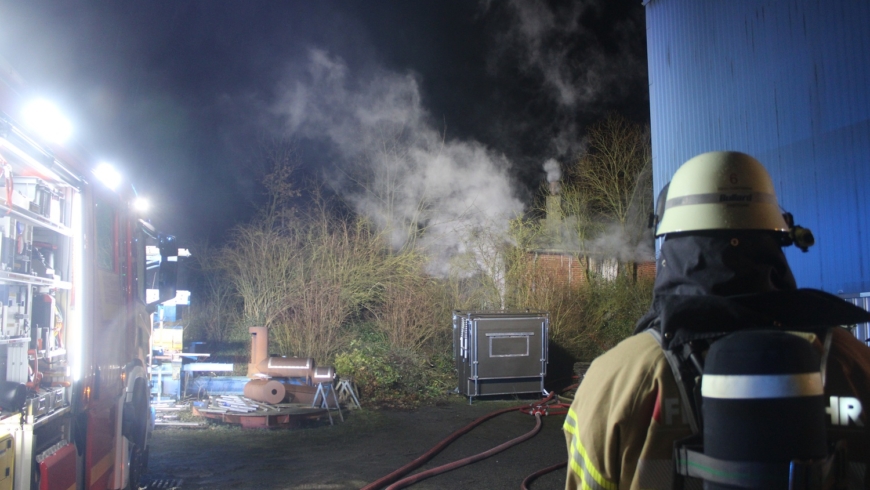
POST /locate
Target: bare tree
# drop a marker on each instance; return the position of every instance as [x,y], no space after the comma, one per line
[579,218]
[279,159]
[612,175]
[215,307]
[261,261]
[264,255]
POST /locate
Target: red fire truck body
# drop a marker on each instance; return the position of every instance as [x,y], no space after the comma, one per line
[75,323]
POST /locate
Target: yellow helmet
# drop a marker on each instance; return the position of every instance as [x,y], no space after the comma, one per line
[721,190]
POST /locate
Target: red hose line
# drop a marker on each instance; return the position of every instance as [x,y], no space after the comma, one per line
[534,476]
[465,461]
[404,470]
[545,409]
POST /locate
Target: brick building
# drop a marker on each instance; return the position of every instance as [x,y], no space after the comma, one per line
[574,269]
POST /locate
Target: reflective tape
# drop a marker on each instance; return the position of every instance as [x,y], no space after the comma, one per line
[579,462]
[761,386]
[726,197]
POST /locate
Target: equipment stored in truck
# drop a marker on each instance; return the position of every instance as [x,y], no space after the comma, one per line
[75,320]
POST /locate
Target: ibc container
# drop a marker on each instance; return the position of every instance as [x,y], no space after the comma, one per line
[500,352]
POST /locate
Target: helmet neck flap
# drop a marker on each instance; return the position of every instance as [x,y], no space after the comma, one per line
[711,283]
[722,264]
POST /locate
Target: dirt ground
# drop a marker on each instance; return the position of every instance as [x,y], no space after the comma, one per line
[366,446]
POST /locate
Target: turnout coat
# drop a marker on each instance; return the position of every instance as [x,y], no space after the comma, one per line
[628,410]
[627,414]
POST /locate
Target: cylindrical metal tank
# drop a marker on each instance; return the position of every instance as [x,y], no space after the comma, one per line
[286,367]
[323,374]
[265,390]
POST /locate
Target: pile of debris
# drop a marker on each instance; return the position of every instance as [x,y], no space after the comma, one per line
[277,391]
[168,414]
[248,413]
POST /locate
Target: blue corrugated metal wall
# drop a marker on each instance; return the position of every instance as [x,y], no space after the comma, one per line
[787,81]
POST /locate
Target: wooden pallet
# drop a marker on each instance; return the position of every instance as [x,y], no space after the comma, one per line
[250,414]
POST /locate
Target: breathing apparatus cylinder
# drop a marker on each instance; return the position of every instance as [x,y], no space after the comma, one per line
[763,401]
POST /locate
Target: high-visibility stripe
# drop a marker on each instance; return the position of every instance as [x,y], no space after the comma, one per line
[570,422]
[721,197]
[579,462]
[761,386]
[99,469]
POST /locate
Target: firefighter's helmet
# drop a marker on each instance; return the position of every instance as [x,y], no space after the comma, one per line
[721,190]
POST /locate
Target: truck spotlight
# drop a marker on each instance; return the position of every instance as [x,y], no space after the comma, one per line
[141,204]
[44,118]
[108,175]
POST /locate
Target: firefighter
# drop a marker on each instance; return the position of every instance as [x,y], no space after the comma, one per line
[721,268]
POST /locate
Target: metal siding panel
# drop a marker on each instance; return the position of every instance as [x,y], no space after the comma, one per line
[787,82]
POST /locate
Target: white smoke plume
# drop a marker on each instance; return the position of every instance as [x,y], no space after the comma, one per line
[623,245]
[553,169]
[582,70]
[585,56]
[554,175]
[576,69]
[392,163]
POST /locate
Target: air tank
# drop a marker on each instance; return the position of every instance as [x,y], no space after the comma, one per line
[763,401]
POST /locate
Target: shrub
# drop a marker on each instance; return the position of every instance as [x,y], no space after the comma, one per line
[393,377]
[415,313]
[611,308]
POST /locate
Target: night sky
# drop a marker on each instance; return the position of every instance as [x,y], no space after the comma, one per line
[471,97]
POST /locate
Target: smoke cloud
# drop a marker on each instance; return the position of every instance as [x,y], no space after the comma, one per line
[578,65]
[585,56]
[623,245]
[588,58]
[553,169]
[391,162]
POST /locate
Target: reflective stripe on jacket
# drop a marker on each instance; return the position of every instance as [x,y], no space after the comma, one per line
[624,419]
[627,413]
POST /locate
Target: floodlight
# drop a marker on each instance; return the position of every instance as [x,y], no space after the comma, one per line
[108,175]
[43,117]
[141,204]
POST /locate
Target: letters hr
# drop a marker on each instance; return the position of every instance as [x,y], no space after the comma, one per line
[845,408]
[842,409]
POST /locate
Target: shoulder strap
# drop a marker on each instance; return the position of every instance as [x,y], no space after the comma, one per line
[688,377]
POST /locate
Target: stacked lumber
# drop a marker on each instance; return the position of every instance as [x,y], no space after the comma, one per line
[235,404]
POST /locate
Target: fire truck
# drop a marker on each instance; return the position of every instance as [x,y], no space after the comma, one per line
[81,273]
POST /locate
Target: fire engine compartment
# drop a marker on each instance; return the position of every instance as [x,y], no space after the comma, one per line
[35,291]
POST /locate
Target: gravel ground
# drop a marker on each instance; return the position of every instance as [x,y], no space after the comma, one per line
[367,446]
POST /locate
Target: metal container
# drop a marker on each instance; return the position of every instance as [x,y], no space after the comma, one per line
[37,404]
[58,398]
[500,352]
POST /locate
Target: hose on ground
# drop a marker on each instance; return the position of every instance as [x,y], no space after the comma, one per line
[564,403]
[534,476]
[404,470]
[431,453]
[466,461]
[567,399]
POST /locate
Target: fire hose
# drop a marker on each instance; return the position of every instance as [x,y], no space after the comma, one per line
[465,461]
[543,407]
[529,479]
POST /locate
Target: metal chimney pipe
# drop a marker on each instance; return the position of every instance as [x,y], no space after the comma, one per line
[259,348]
